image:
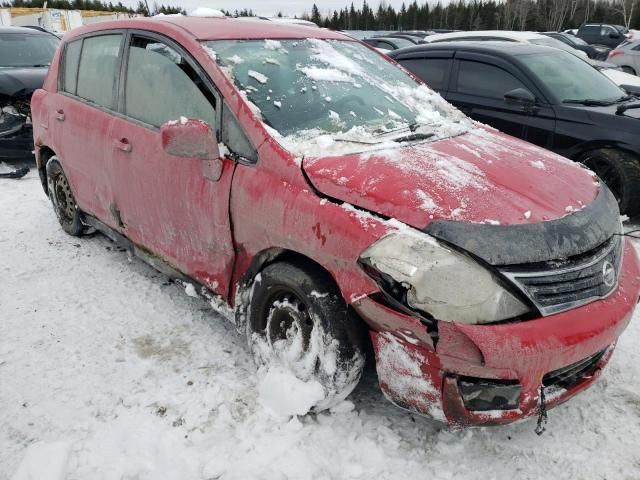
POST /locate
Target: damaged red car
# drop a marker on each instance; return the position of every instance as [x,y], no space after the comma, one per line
[326,200]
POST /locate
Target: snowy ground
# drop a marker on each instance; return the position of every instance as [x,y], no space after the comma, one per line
[108,371]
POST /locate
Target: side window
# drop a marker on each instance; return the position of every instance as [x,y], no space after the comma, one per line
[161,86]
[637,47]
[386,46]
[70,66]
[99,68]
[235,139]
[484,80]
[433,71]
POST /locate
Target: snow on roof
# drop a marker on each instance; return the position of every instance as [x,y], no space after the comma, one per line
[517,36]
[206,12]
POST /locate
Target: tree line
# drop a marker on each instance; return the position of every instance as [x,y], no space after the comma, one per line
[537,15]
[96,5]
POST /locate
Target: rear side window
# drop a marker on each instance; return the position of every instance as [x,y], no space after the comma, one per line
[433,71]
[162,86]
[70,66]
[481,79]
[99,68]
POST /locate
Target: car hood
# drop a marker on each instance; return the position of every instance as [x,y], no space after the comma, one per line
[482,177]
[21,82]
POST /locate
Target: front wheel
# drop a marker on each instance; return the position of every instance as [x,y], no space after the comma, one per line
[62,199]
[620,171]
[298,321]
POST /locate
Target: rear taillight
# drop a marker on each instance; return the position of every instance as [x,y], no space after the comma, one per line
[614,53]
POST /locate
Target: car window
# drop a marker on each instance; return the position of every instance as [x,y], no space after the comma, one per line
[403,42]
[433,71]
[98,70]
[576,40]
[70,66]
[26,49]
[558,72]
[234,138]
[161,85]
[385,45]
[481,79]
[637,47]
[590,30]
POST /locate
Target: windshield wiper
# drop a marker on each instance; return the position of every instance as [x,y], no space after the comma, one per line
[413,137]
[383,133]
[590,102]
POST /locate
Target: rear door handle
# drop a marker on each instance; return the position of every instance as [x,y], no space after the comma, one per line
[123,145]
[60,115]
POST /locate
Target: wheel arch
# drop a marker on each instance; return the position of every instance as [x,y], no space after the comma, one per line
[580,150]
[43,156]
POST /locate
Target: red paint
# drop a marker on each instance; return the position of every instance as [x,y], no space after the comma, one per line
[212,218]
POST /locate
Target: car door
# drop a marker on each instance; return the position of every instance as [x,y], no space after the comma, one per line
[81,114]
[479,83]
[433,68]
[176,208]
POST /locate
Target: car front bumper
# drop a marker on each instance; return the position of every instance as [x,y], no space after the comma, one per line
[17,147]
[563,353]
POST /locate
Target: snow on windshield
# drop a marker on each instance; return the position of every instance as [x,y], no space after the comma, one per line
[334,95]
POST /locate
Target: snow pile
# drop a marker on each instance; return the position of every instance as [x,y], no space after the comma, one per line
[284,394]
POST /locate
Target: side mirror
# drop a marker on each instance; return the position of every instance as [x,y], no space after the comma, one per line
[189,138]
[614,35]
[521,97]
[631,89]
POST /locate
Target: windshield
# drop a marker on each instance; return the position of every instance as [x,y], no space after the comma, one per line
[558,72]
[26,49]
[402,42]
[336,94]
[576,40]
[555,43]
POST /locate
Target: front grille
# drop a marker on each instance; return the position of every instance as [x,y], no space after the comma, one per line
[571,374]
[554,287]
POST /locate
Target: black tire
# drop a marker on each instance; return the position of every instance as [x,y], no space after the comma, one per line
[298,320]
[627,69]
[62,199]
[621,172]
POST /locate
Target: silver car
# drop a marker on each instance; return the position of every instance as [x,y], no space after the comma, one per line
[627,56]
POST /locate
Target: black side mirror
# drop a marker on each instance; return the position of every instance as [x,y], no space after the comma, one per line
[631,89]
[521,97]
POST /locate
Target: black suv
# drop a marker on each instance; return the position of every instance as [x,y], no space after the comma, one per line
[602,34]
[531,92]
[25,55]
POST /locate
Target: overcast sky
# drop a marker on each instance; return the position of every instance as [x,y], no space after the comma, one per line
[271,7]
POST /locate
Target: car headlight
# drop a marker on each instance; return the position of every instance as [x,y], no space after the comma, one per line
[426,276]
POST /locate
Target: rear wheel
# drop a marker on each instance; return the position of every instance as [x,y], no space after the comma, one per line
[64,203]
[620,171]
[298,321]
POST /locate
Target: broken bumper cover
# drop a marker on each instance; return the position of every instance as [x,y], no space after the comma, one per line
[493,374]
[17,146]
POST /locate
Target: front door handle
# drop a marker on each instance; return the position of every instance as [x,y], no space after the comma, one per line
[60,115]
[123,145]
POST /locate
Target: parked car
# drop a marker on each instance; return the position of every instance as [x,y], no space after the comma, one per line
[609,69]
[531,92]
[25,55]
[322,198]
[595,52]
[602,34]
[386,44]
[627,56]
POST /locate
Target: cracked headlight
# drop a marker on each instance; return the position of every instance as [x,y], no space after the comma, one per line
[426,276]
[10,121]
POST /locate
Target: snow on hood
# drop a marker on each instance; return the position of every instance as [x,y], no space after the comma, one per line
[482,176]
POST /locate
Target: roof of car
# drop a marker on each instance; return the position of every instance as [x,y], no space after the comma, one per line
[501,49]
[22,30]
[519,36]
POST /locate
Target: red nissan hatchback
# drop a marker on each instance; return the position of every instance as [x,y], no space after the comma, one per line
[327,200]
